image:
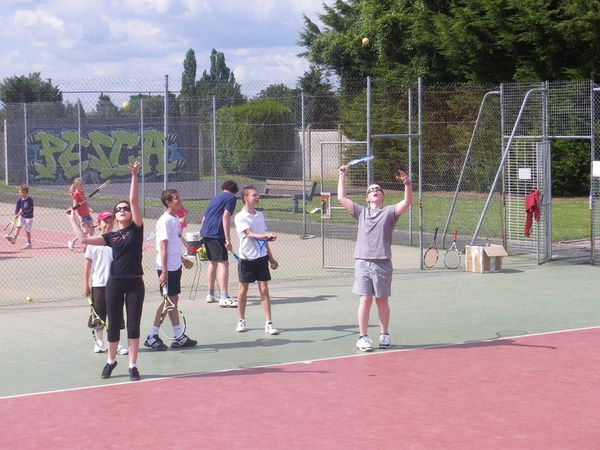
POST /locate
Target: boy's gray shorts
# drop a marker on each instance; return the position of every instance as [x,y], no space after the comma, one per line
[373,277]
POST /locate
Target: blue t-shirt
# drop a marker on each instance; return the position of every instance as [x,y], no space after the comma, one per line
[25,204]
[212,227]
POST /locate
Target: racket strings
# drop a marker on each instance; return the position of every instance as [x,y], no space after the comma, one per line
[452,259]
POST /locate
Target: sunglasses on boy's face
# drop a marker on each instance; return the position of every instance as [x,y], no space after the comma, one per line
[374,189]
[122,208]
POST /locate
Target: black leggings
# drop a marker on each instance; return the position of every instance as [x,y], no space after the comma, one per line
[129,292]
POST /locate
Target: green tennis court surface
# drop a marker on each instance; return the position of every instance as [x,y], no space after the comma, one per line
[48,347]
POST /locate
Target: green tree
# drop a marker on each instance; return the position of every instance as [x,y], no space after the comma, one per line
[105,107]
[29,89]
[219,81]
[320,101]
[187,103]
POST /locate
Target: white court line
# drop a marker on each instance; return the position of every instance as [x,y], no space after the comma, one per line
[333,358]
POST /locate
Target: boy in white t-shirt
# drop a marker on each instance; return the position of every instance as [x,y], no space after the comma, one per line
[168,256]
[96,270]
[255,256]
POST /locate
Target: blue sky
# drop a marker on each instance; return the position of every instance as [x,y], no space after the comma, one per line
[118,39]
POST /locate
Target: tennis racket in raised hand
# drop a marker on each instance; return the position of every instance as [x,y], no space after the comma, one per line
[169,309]
[362,159]
[432,254]
[94,192]
[452,256]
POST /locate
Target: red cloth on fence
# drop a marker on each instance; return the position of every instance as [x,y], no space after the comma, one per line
[532,209]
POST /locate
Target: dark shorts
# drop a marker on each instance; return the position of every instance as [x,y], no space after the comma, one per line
[215,249]
[173,281]
[251,270]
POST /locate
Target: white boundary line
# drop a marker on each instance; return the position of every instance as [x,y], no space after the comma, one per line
[333,358]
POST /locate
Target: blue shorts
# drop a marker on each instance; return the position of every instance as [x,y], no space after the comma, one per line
[87,218]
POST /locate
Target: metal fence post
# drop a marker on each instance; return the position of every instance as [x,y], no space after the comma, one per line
[420,195]
[368,139]
[214,117]
[165,133]
[25,143]
[142,154]
[79,136]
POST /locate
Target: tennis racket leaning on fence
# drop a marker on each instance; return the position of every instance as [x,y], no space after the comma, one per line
[94,192]
[362,159]
[432,254]
[452,256]
[169,309]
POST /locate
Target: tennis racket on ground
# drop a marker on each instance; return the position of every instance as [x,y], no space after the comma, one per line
[98,189]
[432,254]
[362,159]
[94,320]
[452,255]
[169,309]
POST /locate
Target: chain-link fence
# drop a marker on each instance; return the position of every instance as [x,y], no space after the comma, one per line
[449,138]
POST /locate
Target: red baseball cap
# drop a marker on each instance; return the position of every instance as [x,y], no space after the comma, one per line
[103,215]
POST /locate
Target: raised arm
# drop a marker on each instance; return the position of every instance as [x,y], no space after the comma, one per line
[341,191]
[403,205]
[93,240]
[136,213]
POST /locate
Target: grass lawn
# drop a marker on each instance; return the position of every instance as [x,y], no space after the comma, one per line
[570,216]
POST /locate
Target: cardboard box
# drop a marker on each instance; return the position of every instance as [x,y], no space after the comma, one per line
[482,259]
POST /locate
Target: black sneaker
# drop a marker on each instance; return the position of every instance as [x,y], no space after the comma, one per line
[155,343]
[134,374]
[183,342]
[108,368]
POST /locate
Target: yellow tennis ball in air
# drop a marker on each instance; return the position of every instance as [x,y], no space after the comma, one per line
[126,105]
[365,41]
[29,298]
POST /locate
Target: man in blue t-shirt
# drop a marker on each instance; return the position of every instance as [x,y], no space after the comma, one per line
[215,231]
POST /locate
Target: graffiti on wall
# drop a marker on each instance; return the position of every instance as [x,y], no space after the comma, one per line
[54,155]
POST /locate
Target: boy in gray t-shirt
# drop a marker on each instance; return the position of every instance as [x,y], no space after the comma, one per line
[373,253]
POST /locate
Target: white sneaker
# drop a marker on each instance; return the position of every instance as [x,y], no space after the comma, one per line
[121,350]
[210,298]
[70,244]
[270,328]
[241,326]
[99,347]
[28,245]
[384,340]
[364,344]
[227,303]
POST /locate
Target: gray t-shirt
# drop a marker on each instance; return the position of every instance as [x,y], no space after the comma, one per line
[375,227]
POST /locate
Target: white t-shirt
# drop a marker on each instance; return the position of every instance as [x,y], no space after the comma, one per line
[101,256]
[250,248]
[168,228]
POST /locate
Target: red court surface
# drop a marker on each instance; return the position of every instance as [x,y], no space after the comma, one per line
[533,392]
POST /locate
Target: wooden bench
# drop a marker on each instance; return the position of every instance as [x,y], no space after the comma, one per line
[290,188]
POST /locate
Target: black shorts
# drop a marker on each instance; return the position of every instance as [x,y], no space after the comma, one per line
[173,281]
[215,249]
[251,270]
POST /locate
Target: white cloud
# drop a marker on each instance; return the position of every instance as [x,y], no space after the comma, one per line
[38,19]
[122,38]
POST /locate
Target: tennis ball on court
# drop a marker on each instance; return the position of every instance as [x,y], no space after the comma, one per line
[29,298]
[126,105]
[365,41]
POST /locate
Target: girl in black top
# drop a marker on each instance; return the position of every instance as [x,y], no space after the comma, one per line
[125,284]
